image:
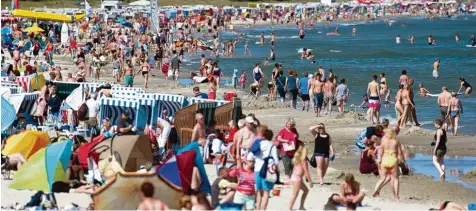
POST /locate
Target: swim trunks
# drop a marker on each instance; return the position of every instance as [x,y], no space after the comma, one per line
[328,98]
[435,74]
[374,102]
[454,113]
[443,112]
[129,80]
[301,36]
[305,97]
[318,100]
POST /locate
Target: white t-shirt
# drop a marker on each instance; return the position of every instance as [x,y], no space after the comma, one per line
[164,135]
[265,147]
[93,108]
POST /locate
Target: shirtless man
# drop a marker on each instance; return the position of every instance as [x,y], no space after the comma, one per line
[301,33]
[317,87]
[443,102]
[199,135]
[273,39]
[436,66]
[329,92]
[244,138]
[373,92]
[261,38]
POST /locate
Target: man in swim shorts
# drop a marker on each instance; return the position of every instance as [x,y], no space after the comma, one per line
[443,102]
[436,66]
[317,87]
[374,99]
[199,135]
[329,92]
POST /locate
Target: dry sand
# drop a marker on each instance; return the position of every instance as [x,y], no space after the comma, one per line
[416,191]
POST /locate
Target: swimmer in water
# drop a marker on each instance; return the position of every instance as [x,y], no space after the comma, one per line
[273,39]
[262,38]
[301,33]
[412,40]
[354,31]
[397,39]
[457,37]
[436,66]
[430,40]
[247,50]
[423,91]
[337,30]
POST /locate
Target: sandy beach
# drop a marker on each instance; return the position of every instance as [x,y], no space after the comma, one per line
[416,191]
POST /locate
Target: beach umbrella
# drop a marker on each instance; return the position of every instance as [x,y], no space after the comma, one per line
[205,185]
[37,81]
[8,114]
[33,29]
[45,167]
[26,143]
[179,169]
[122,192]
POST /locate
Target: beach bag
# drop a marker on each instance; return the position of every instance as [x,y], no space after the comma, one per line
[313,162]
[83,112]
[289,147]
[269,169]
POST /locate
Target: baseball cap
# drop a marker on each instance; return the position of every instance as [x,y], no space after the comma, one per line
[251,120]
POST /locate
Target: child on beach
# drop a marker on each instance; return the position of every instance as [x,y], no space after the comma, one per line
[299,171]
[245,192]
[247,50]
[243,79]
[423,91]
[266,62]
[350,191]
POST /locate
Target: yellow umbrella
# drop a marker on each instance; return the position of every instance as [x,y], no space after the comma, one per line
[26,143]
[33,28]
[122,192]
[37,81]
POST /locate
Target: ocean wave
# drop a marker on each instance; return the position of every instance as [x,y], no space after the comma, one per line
[301,50]
[335,51]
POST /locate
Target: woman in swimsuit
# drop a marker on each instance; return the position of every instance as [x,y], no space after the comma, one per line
[300,169]
[439,150]
[406,103]
[323,150]
[388,151]
[145,67]
[350,191]
[455,108]
[466,85]
[398,104]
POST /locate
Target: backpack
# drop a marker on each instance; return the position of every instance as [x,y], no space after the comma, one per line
[83,112]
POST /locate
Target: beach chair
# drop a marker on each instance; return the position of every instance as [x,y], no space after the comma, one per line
[184,120]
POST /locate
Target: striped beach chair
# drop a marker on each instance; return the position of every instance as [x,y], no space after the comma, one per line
[29,100]
[112,108]
[64,89]
[145,113]
[194,100]
[126,89]
[171,103]
[14,88]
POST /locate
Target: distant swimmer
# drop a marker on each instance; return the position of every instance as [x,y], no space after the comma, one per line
[457,37]
[397,39]
[430,40]
[423,91]
[247,50]
[306,54]
[412,40]
[261,38]
[301,33]
[436,66]
[472,40]
[337,30]
[273,39]
[354,31]
[466,86]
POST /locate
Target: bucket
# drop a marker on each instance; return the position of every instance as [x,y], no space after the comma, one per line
[276,192]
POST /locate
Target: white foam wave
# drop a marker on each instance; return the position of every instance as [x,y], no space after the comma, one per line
[301,50]
[335,51]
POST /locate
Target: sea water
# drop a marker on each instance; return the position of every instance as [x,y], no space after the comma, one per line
[456,166]
[371,52]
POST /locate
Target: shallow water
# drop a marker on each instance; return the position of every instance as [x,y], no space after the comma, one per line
[372,51]
[456,166]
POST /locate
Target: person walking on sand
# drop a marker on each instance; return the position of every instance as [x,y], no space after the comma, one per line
[374,99]
[299,171]
[317,86]
[129,74]
[439,149]
[329,93]
[304,91]
[436,66]
[388,152]
[443,101]
[323,150]
[342,93]
[455,109]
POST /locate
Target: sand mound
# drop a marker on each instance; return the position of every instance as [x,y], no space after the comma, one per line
[418,131]
[470,175]
[260,104]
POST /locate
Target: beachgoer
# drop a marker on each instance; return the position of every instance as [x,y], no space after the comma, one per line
[175,70]
[407,105]
[443,102]
[373,92]
[329,94]
[199,134]
[403,78]
[212,88]
[93,110]
[244,138]
[129,74]
[243,79]
[383,84]
[263,187]
[124,124]
[288,140]
[368,156]
[304,91]
[222,190]
[457,37]
[261,39]
[273,39]
[448,205]
[258,74]
[317,86]
[397,39]
[388,159]
[247,49]
[291,86]
[323,150]
[439,149]
[245,191]
[436,66]
[467,87]
[301,33]
[342,93]
[300,171]
[198,94]
[54,103]
[280,83]
[350,191]
[186,203]
[354,31]
[423,91]
[455,109]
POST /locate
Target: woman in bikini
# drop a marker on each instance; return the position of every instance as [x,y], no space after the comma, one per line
[350,191]
[398,104]
[406,103]
[145,67]
[455,108]
[388,152]
[299,171]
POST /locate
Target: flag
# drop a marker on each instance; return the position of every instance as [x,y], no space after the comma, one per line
[88,9]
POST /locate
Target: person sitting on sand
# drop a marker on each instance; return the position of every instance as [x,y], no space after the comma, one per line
[198,94]
[76,182]
[423,91]
[367,159]
[222,189]
[149,203]
[350,191]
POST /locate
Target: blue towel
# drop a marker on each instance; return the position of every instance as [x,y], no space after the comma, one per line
[471,206]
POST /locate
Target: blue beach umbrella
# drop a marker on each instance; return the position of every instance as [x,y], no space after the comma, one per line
[8,114]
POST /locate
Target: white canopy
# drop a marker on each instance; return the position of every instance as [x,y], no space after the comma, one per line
[140,3]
